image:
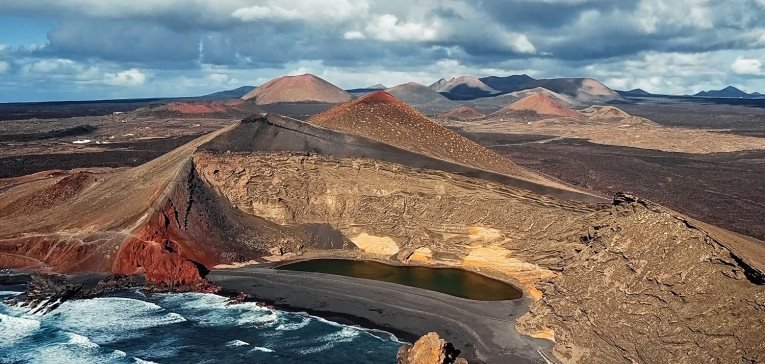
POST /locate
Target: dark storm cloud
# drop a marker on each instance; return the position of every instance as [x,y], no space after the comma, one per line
[132,41]
[530,14]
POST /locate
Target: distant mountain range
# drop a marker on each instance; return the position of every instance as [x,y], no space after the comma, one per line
[585,90]
[730,92]
[463,88]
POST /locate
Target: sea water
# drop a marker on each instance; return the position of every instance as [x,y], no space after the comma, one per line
[182,328]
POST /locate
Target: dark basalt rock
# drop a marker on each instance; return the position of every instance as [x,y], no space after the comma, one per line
[45,292]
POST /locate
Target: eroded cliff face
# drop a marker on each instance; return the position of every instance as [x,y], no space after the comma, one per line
[391,212]
[611,283]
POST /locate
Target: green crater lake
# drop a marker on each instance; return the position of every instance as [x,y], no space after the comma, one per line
[455,282]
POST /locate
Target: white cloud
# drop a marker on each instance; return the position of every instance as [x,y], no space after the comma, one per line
[49,65]
[4,66]
[522,44]
[387,27]
[251,13]
[131,77]
[747,66]
[654,15]
[354,34]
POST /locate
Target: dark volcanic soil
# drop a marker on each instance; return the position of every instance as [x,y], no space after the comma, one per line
[119,155]
[68,109]
[744,120]
[723,189]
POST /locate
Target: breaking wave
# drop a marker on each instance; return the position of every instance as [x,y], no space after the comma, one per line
[188,327]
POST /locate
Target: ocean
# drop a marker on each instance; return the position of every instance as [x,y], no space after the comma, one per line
[182,328]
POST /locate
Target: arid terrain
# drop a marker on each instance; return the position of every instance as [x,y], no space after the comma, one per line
[607,277]
[704,166]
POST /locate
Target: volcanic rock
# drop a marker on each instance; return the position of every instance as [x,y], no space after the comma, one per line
[45,292]
[429,349]
[302,88]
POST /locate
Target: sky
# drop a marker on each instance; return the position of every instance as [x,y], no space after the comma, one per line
[96,49]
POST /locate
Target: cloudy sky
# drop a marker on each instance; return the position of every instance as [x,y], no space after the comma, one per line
[96,49]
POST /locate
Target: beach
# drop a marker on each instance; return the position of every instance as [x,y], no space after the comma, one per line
[483,330]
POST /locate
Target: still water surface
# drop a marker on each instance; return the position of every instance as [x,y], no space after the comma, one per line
[455,282]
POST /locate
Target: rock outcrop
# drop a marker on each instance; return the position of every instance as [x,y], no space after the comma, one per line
[429,349]
[45,292]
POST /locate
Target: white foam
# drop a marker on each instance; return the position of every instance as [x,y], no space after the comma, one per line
[141,361]
[235,343]
[344,335]
[367,331]
[131,316]
[213,310]
[80,340]
[83,141]
[289,326]
[263,349]
[77,349]
[13,329]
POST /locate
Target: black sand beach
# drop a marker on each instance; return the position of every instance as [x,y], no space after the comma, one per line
[484,330]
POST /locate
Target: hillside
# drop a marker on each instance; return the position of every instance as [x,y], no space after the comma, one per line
[541,104]
[382,117]
[508,83]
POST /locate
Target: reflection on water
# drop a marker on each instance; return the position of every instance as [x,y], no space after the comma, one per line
[455,282]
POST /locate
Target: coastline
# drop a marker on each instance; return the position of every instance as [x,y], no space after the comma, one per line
[483,330]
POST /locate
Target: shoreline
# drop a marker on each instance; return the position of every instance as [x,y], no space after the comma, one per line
[483,330]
